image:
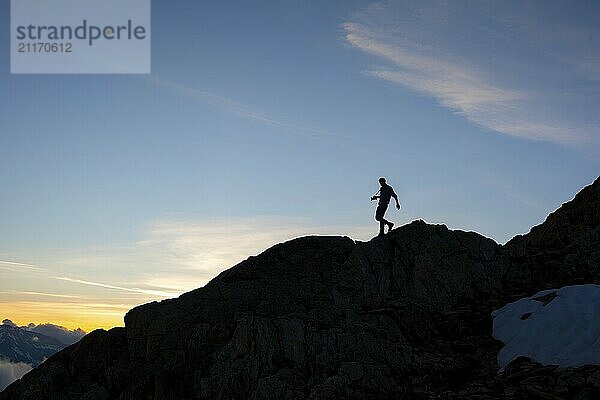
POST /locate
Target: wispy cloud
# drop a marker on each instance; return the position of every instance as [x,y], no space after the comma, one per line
[431,48]
[17,266]
[12,266]
[113,287]
[236,108]
[39,294]
[202,249]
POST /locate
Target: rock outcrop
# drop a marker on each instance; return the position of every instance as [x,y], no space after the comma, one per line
[402,316]
[565,249]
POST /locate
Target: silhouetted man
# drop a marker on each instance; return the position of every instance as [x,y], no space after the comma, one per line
[385,193]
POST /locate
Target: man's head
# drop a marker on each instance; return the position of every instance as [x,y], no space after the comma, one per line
[382,181]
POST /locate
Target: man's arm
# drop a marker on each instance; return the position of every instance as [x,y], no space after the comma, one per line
[395,196]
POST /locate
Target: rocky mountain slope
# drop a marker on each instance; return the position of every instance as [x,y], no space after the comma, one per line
[19,345]
[57,332]
[565,249]
[403,316]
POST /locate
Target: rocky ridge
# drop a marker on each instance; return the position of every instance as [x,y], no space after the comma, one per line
[403,316]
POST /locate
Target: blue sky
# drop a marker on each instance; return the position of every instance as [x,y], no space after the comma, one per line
[267,120]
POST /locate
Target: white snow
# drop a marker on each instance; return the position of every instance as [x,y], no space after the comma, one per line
[564,332]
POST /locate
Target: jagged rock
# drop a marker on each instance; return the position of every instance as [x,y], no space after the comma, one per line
[406,315]
[564,250]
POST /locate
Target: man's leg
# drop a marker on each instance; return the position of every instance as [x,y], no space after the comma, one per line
[386,222]
[381,209]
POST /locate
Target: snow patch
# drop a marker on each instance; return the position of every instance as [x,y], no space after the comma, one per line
[553,327]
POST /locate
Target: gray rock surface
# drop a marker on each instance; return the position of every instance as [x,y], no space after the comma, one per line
[406,315]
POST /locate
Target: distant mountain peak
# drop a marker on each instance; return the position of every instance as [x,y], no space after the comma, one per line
[19,345]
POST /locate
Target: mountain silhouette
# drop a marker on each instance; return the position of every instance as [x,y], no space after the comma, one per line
[406,315]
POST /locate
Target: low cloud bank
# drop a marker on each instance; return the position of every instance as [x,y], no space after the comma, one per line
[10,372]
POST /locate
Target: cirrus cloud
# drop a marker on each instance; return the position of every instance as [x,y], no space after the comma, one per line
[476,65]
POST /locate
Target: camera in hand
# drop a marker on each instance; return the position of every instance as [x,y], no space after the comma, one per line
[373,198]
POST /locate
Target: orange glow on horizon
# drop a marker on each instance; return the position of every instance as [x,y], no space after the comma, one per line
[71,316]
